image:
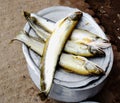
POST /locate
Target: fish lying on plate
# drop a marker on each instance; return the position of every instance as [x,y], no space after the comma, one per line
[78,35]
[82,68]
[71,46]
[53,45]
[53,48]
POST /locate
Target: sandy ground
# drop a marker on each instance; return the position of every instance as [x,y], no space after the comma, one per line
[15,83]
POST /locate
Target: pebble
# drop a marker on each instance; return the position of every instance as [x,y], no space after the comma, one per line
[118,15]
[118,29]
[101,7]
[102,11]
[119,37]
[114,21]
[24,76]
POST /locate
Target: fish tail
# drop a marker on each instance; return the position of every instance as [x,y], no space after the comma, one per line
[43,96]
[21,36]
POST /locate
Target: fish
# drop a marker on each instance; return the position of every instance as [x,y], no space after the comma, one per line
[87,66]
[40,32]
[78,35]
[84,36]
[72,63]
[65,59]
[79,65]
[71,46]
[52,50]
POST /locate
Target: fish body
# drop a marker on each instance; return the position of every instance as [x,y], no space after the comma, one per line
[79,65]
[73,47]
[73,63]
[78,35]
[53,49]
[56,41]
[84,36]
[76,64]
[82,49]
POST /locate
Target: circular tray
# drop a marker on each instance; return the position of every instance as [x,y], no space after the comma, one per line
[65,88]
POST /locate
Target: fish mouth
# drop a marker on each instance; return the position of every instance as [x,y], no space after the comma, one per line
[76,15]
[93,69]
[96,51]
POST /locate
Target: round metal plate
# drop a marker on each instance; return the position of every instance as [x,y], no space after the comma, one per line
[65,82]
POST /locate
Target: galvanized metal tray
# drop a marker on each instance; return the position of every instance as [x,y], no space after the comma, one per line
[70,87]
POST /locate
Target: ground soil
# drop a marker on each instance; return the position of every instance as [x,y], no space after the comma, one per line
[15,84]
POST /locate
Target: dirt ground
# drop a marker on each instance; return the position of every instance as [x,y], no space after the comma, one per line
[15,83]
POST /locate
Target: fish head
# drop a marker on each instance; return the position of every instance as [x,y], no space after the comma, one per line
[75,16]
[93,69]
[96,51]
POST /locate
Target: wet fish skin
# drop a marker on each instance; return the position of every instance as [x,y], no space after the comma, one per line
[40,32]
[53,49]
[79,65]
[75,64]
[43,86]
[71,46]
[84,36]
[38,47]
[83,49]
[77,49]
[78,35]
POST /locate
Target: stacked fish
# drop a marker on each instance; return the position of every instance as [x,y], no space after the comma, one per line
[64,49]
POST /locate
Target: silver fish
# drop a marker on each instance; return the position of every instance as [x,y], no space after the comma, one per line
[78,35]
[82,49]
[79,65]
[84,36]
[75,64]
[71,46]
[53,49]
